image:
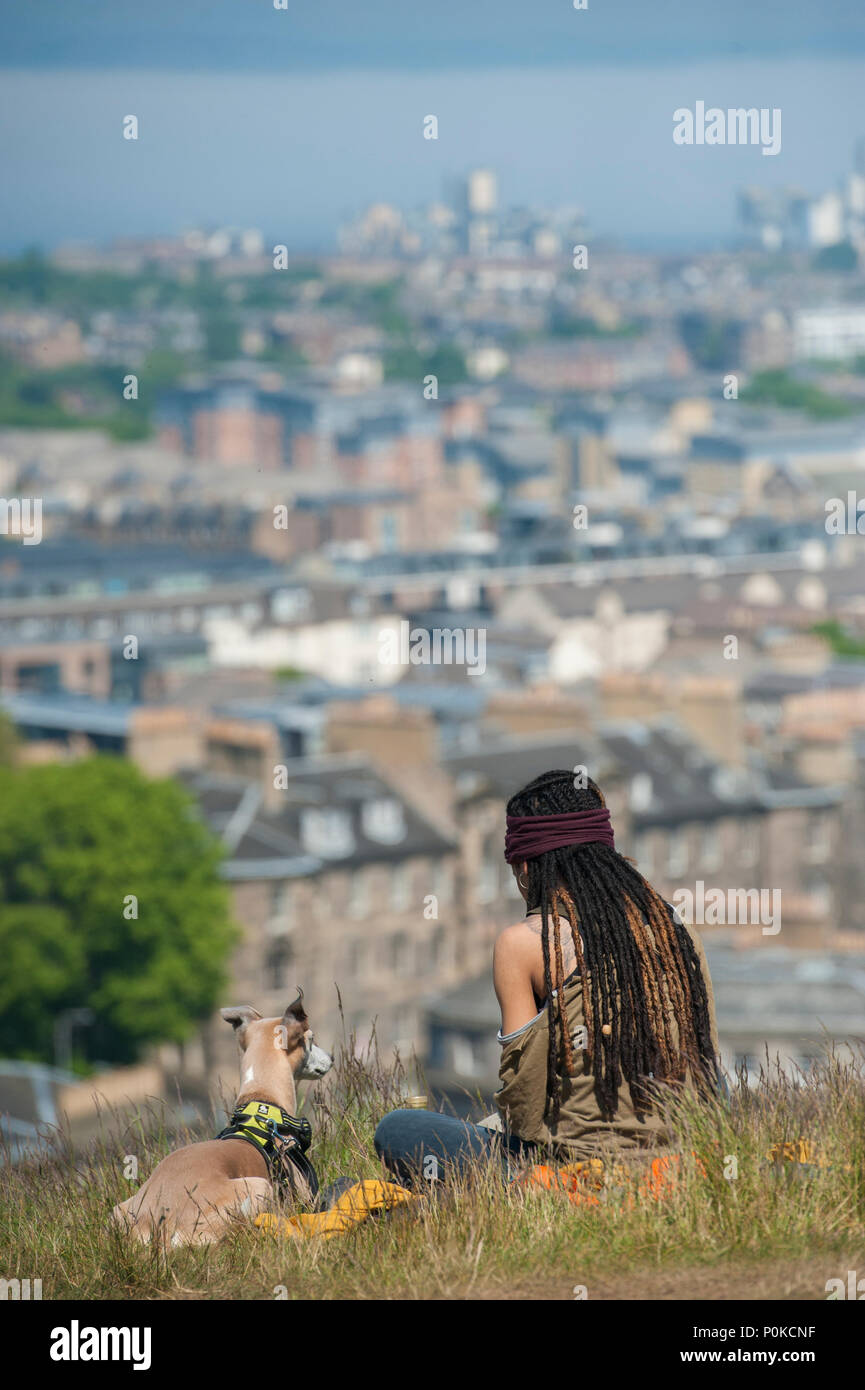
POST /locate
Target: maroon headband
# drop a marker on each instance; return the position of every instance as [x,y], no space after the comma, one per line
[529,836]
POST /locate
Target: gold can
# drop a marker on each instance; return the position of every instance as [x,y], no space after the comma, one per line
[416,1102]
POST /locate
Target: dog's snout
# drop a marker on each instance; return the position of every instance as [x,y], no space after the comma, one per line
[317,1063]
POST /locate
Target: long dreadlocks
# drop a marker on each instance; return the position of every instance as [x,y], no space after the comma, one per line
[644,996]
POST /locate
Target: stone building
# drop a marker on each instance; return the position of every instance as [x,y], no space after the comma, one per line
[343,887]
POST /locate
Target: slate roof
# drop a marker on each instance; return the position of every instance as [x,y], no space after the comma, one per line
[503,764]
[63,711]
[686,783]
[677,593]
[265,843]
[770,685]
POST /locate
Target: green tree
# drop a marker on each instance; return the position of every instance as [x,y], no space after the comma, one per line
[407,363]
[842,643]
[448,364]
[222,337]
[44,966]
[579,326]
[8,741]
[125,425]
[776,387]
[84,847]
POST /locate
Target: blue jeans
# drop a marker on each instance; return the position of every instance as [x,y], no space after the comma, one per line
[420,1144]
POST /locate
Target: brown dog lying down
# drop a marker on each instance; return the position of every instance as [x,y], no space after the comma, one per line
[193,1195]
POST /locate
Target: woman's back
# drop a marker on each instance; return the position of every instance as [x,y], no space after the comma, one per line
[581,1129]
[604,994]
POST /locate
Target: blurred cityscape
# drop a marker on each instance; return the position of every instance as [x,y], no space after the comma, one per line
[397,529]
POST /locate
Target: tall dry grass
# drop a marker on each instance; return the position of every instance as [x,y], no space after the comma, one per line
[474,1235]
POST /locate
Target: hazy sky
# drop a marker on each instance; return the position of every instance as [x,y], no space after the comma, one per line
[317,34]
[294,120]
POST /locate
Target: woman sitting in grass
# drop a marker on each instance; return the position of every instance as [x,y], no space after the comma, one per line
[603,994]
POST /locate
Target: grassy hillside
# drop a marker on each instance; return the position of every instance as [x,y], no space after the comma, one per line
[776,1230]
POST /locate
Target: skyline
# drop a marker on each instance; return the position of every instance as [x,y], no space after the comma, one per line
[300,157]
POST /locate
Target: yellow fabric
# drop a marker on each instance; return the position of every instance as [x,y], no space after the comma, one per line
[802,1151]
[362,1200]
[793,1151]
[591,1171]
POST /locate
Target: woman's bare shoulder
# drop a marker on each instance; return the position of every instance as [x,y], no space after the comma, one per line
[513,968]
[514,950]
[511,939]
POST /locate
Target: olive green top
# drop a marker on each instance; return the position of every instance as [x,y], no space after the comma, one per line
[581,1131]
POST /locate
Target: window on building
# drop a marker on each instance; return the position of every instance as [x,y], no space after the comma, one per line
[278,961]
[434,949]
[403,1029]
[441,952]
[819,841]
[400,954]
[677,854]
[388,532]
[488,879]
[326,832]
[644,854]
[444,877]
[400,887]
[640,792]
[749,842]
[355,959]
[817,885]
[358,894]
[466,1055]
[383,820]
[710,849]
[437,1045]
[281,909]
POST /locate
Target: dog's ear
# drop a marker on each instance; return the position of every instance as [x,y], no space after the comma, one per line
[296,1013]
[240,1015]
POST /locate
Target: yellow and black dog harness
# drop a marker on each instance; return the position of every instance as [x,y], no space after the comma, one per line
[283,1139]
